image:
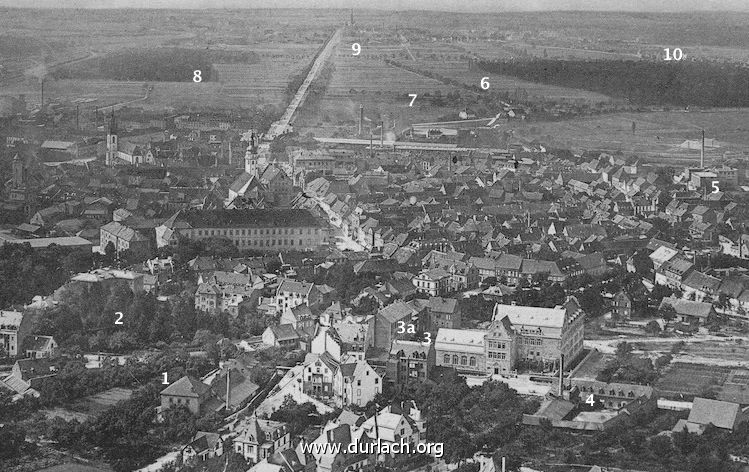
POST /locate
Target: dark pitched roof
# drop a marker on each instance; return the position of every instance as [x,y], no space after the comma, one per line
[285,332]
[187,386]
[443,305]
[35,368]
[249,217]
[203,441]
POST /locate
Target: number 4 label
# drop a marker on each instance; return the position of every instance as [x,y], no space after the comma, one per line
[591,400]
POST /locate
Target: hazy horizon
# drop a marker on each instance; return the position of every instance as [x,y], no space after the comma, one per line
[473,6]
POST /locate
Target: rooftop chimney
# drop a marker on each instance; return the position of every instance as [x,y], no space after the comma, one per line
[361,118]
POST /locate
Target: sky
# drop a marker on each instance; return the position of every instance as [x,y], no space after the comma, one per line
[448,5]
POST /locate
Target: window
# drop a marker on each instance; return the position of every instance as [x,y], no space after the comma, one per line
[377,381]
[447,359]
[455,359]
[358,383]
[473,361]
[463,360]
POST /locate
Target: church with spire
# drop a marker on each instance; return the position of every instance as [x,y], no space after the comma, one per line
[263,184]
[112,142]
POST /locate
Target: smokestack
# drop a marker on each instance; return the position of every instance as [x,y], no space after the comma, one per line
[561,374]
[361,118]
[371,144]
[228,374]
[42,108]
[702,151]
[382,133]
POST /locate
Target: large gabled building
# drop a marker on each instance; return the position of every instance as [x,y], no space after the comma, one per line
[257,229]
[539,337]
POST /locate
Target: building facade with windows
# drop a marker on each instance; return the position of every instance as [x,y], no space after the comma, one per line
[461,349]
[538,336]
[258,229]
[410,362]
[12,332]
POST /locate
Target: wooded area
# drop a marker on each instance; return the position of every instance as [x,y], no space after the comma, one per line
[642,82]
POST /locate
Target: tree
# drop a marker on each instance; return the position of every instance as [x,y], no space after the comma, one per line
[13,439]
[297,416]
[367,306]
[653,327]
[623,350]
[110,253]
[179,424]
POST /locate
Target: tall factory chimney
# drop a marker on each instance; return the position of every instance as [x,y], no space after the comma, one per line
[361,118]
[228,388]
[561,375]
[702,151]
[382,133]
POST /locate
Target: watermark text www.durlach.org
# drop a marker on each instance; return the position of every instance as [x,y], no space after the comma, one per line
[378,447]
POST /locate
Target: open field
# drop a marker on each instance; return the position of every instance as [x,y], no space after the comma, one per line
[91,405]
[382,89]
[75,467]
[77,40]
[694,380]
[458,70]
[592,365]
[657,136]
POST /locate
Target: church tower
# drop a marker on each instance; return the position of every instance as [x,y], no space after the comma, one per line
[19,173]
[112,143]
[250,157]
